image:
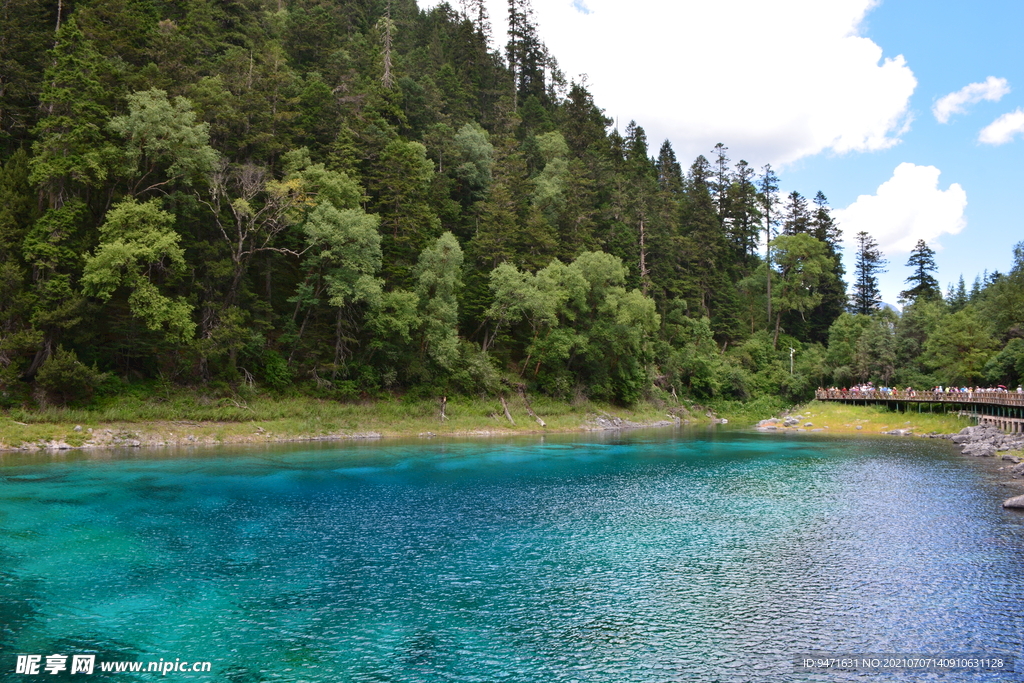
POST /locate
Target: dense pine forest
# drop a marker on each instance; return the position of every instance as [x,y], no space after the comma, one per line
[357,198]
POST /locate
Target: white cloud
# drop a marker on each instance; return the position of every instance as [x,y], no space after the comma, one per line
[991,90]
[1002,130]
[906,208]
[775,81]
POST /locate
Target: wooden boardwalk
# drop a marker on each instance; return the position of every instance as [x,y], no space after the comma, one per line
[986,398]
[1002,409]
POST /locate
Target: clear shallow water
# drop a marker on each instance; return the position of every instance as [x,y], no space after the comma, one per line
[641,559]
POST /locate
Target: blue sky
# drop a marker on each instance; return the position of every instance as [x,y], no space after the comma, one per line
[947,45]
[837,94]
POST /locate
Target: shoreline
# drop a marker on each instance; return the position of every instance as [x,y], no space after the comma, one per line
[199,434]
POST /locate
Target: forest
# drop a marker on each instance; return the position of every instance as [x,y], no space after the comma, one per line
[356,198]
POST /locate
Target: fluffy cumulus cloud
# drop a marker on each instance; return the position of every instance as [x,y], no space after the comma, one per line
[906,208]
[992,90]
[1003,129]
[775,81]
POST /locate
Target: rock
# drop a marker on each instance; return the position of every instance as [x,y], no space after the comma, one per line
[1016,502]
[791,422]
[78,428]
[982,449]
[1018,470]
[860,427]
[808,424]
[818,429]
[1011,458]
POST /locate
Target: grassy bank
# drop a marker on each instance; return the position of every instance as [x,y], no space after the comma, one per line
[185,418]
[844,418]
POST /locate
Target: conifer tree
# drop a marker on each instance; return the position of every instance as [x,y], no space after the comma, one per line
[824,228]
[957,297]
[797,217]
[869,263]
[769,189]
[744,212]
[924,284]
[71,151]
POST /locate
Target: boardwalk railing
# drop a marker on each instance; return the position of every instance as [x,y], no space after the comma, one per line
[988,398]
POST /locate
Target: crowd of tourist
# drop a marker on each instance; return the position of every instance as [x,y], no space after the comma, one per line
[868,389]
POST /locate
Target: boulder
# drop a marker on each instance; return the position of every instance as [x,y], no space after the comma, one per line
[980,449]
[1015,502]
[1012,458]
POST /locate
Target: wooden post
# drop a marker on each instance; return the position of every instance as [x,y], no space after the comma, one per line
[444,406]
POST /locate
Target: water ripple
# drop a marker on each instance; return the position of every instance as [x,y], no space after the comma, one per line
[639,560]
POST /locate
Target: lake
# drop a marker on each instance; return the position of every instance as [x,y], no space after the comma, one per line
[650,556]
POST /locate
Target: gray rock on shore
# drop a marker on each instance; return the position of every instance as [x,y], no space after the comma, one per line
[1016,502]
[985,441]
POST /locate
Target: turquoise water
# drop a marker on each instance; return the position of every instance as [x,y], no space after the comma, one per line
[645,558]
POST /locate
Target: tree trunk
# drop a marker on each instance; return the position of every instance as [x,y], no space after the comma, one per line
[508,415]
[529,410]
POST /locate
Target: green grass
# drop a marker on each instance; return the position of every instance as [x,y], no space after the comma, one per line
[844,418]
[750,412]
[174,417]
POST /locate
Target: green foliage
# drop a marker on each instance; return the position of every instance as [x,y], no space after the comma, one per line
[229,193]
[163,142]
[959,348]
[138,242]
[65,379]
[843,338]
[70,151]
[804,267]
[1007,366]
[438,277]
[476,157]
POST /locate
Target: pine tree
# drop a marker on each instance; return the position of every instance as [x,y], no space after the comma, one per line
[744,212]
[722,180]
[71,151]
[957,297]
[866,296]
[924,284]
[769,190]
[823,227]
[797,219]
[525,53]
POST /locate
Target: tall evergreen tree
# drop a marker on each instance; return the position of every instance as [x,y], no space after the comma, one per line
[869,263]
[796,216]
[525,52]
[722,180]
[924,284]
[957,297]
[769,190]
[744,212]
[824,228]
